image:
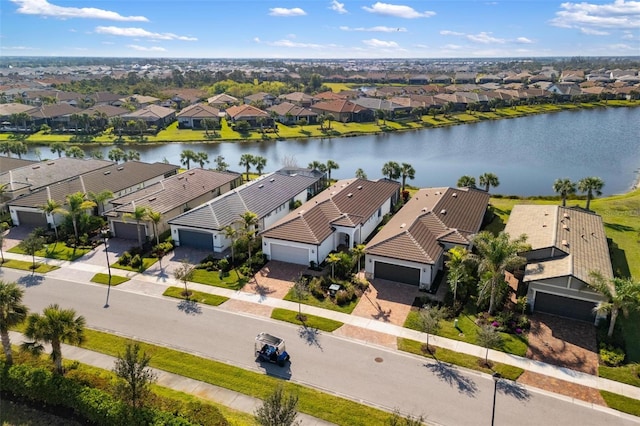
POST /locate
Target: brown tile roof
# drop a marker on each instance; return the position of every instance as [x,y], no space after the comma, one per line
[348,202]
[199,111]
[109,110]
[13,108]
[328,96]
[285,108]
[237,112]
[338,106]
[10,163]
[55,110]
[150,111]
[431,217]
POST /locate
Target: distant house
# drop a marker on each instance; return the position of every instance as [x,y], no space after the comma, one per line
[288,113]
[343,111]
[54,115]
[252,115]
[345,214]
[222,101]
[565,90]
[566,246]
[192,116]
[390,108]
[262,98]
[152,115]
[297,98]
[138,101]
[411,247]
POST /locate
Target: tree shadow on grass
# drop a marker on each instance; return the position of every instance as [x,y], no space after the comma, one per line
[189,307]
[513,389]
[30,280]
[452,376]
[310,336]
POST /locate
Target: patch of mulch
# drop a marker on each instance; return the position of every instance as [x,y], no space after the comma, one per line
[562,387]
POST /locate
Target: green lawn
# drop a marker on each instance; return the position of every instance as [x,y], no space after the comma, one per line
[326,303]
[511,343]
[621,403]
[58,250]
[104,279]
[41,268]
[311,401]
[196,296]
[628,374]
[233,281]
[146,263]
[311,321]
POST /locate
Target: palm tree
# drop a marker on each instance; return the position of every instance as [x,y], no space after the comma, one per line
[55,326]
[466,181]
[360,174]
[621,294]
[407,171]
[74,152]
[221,165]
[358,252]
[186,157]
[18,148]
[12,313]
[332,259]
[231,233]
[391,169]
[331,165]
[132,155]
[51,208]
[116,154]
[208,123]
[488,180]
[260,163]
[118,123]
[77,205]
[564,187]
[202,158]
[3,228]
[591,185]
[246,160]
[155,218]
[458,265]
[496,254]
[59,148]
[248,221]
[314,165]
[99,198]
[138,214]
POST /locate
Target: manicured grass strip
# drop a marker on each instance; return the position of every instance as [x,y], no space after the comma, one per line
[312,321]
[104,279]
[326,303]
[311,401]
[146,264]
[196,296]
[463,360]
[625,374]
[57,250]
[621,403]
[232,281]
[41,268]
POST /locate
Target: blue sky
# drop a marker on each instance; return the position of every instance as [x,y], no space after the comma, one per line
[319,28]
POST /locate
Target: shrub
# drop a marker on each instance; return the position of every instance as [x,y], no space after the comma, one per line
[611,356]
[125,259]
[361,284]
[316,289]
[223,265]
[136,261]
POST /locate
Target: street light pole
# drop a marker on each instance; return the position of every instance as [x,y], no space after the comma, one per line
[496,377]
[106,252]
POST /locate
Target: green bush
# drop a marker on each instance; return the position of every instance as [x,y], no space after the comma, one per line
[125,259]
[611,356]
[136,261]
[316,288]
[224,265]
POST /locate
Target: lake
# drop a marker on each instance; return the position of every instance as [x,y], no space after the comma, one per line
[526,153]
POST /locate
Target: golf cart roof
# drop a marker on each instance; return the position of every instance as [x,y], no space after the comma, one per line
[269,339]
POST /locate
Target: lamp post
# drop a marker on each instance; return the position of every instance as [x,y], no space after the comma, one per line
[104,233]
[496,378]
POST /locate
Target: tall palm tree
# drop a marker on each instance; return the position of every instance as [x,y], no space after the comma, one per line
[138,214]
[116,154]
[260,163]
[458,264]
[202,158]
[497,254]
[59,148]
[246,160]
[249,221]
[231,233]
[332,259]
[19,148]
[360,174]
[466,181]
[358,252]
[55,326]
[407,171]
[331,165]
[186,157]
[74,152]
[591,185]
[622,294]
[77,204]
[118,123]
[99,198]
[314,165]
[488,180]
[221,165]
[12,313]
[391,169]
[51,208]
[564,187]
[155,218]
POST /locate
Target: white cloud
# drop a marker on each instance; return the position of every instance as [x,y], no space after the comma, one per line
[19,48]
[524,40]
[338,7]
[452,47]
[397,10]
[619,14]
[44,8]
[622,47]
[142,33]
[592,31]
[628,35]
[376,29]
[292,44]
[282,11]
[374,42]
[452,33]
[484,37]
[147,49]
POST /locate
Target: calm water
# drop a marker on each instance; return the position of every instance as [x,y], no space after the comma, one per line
[527,153]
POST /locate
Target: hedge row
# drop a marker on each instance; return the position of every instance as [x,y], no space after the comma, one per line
[39,385]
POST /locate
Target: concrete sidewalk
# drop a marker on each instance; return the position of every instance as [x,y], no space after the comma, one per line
[146,283]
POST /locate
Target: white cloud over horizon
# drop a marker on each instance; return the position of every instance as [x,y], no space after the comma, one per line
[398,11]
[44,8]
[140,32]
[378,29]
[283,11]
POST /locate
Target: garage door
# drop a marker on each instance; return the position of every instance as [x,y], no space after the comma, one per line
[195,239]
[564,307]
[32,218]
[289,254]
[128,231]
[401,274]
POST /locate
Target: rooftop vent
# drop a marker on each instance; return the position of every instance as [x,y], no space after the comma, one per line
[350,195]
[152,199]
[260,186]
[566,215]
[359,186]
[403,225]
[180,177]
[301,211]
[192,173]
[271,180]
[121,168]
[565,243]
[546,213]
[443,211]
[454,195]
[108,172]
[424,209]
[564,226]
[50,163]
[36,167]
[437,192]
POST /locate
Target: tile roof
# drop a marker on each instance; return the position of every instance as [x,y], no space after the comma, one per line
[13,108]
[285,108]
[199,111]
[152,111]
[109,110]
[260,196]
[578,236]
[348,202]
[237,112]
[430,218]
[115,177]
[338,106]
[55,110]
[10,163]
[174,191]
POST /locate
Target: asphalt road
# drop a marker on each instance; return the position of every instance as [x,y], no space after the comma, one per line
[373,375]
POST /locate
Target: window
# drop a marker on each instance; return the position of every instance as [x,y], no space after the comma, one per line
[379,211]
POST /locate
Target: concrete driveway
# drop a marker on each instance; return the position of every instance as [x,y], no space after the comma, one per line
[387,301]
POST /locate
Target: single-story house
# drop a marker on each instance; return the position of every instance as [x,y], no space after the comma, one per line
[138,101]
[265,99]
[191,117]
[170,197]
[222,101]
[152,115]
[345,214]
[343,111]
[120,179]
[390,108]
[250,114]
[288,113]
[54,115]
[298,98]
[566,246]
[270,197]
[411,247]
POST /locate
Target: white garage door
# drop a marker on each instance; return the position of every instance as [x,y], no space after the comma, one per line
[290,254]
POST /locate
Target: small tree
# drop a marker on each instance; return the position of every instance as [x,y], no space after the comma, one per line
[621,294]
[31,245]
[132,368]
[184,273]
[489,338]
[3,229]
[278,410]
[300,291]
[221,165]
[430,318]
[332,259]
[12,313]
